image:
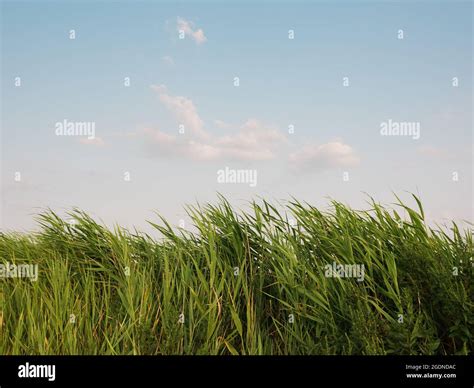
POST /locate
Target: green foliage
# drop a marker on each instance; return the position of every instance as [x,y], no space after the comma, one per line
[242,283]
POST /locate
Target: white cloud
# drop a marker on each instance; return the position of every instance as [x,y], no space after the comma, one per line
[253,140]
[243,145]
[250,141]
[188,29]
[183,110]
[332,154]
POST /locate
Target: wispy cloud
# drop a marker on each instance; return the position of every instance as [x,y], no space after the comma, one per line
[187,28]
[252,141]
[327,155]
[183,110]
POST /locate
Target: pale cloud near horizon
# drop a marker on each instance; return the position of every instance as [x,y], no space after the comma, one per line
[188,28]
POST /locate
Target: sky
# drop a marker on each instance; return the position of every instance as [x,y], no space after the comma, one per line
[289,97]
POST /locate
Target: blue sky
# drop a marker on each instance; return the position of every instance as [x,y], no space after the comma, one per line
[191,81]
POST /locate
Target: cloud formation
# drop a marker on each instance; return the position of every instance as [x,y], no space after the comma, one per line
[332,154]
[250,141]
[188,29]
[184,111]
[253,141]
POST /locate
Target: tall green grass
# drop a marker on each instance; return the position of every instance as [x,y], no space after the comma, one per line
[243,283]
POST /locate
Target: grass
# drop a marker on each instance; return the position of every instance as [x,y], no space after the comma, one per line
[243,283]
